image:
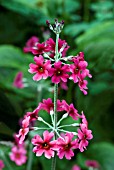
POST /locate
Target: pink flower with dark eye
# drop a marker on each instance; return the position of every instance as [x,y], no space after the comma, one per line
[59,73]
[44,145]
[30,43]
[47,105]
[40,68]
[18,81]
[77,68]
[40,48]
[66,145]
[84,135]
[18,155]
[1,165]
[70,110]
[76,167]
[25,129]
[92,163]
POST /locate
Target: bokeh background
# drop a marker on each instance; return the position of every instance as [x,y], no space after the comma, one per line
[89,27]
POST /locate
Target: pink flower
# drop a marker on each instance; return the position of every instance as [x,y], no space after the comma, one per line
[92,163]
[40,68]
[44,145]
[77,68]
[60,107]
[1,164]
[33,115]
[30,43]
[40,48]
[76,167]
[63,85]
[59,73]
[47,105]
[61,43]
[18,81]
[66,145]
[25,129]
[70,110]
[84,135]
[83,84]
[84,120]
[18,155]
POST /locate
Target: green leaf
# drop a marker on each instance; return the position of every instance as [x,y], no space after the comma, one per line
[5,130]
[13,57]
[74,29]
[31,9]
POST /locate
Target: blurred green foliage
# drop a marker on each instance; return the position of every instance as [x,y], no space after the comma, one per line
[89,27]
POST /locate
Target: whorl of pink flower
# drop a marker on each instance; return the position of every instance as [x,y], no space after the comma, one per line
[18,155]
[30,43]
[18,81]
[92,163]
[59,72]
[40,48]
[70,110]
[61,43]
[84,135]
[41,68]
[76,167]
[25,129]
[66,145]
[48,105]
[1,164]
[44,145]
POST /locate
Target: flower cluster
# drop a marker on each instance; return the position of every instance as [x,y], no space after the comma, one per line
[47,65]
[61,72]
[64,144]
[51,61]
[18,152]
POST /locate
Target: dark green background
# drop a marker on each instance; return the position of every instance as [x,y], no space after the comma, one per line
[89,27]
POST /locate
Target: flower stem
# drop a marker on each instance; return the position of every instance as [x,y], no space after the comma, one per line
[56,48]
[53,167]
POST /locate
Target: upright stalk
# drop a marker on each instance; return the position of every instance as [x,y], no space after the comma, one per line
[53,167]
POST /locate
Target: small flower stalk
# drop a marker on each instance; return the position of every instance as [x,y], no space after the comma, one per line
[50,61]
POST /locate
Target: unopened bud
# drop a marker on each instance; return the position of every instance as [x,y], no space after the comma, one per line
[51,112]
[40,119]
[74,133]
[65,115]
[75,124]
[48,22]
[62,22]
[56,20]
